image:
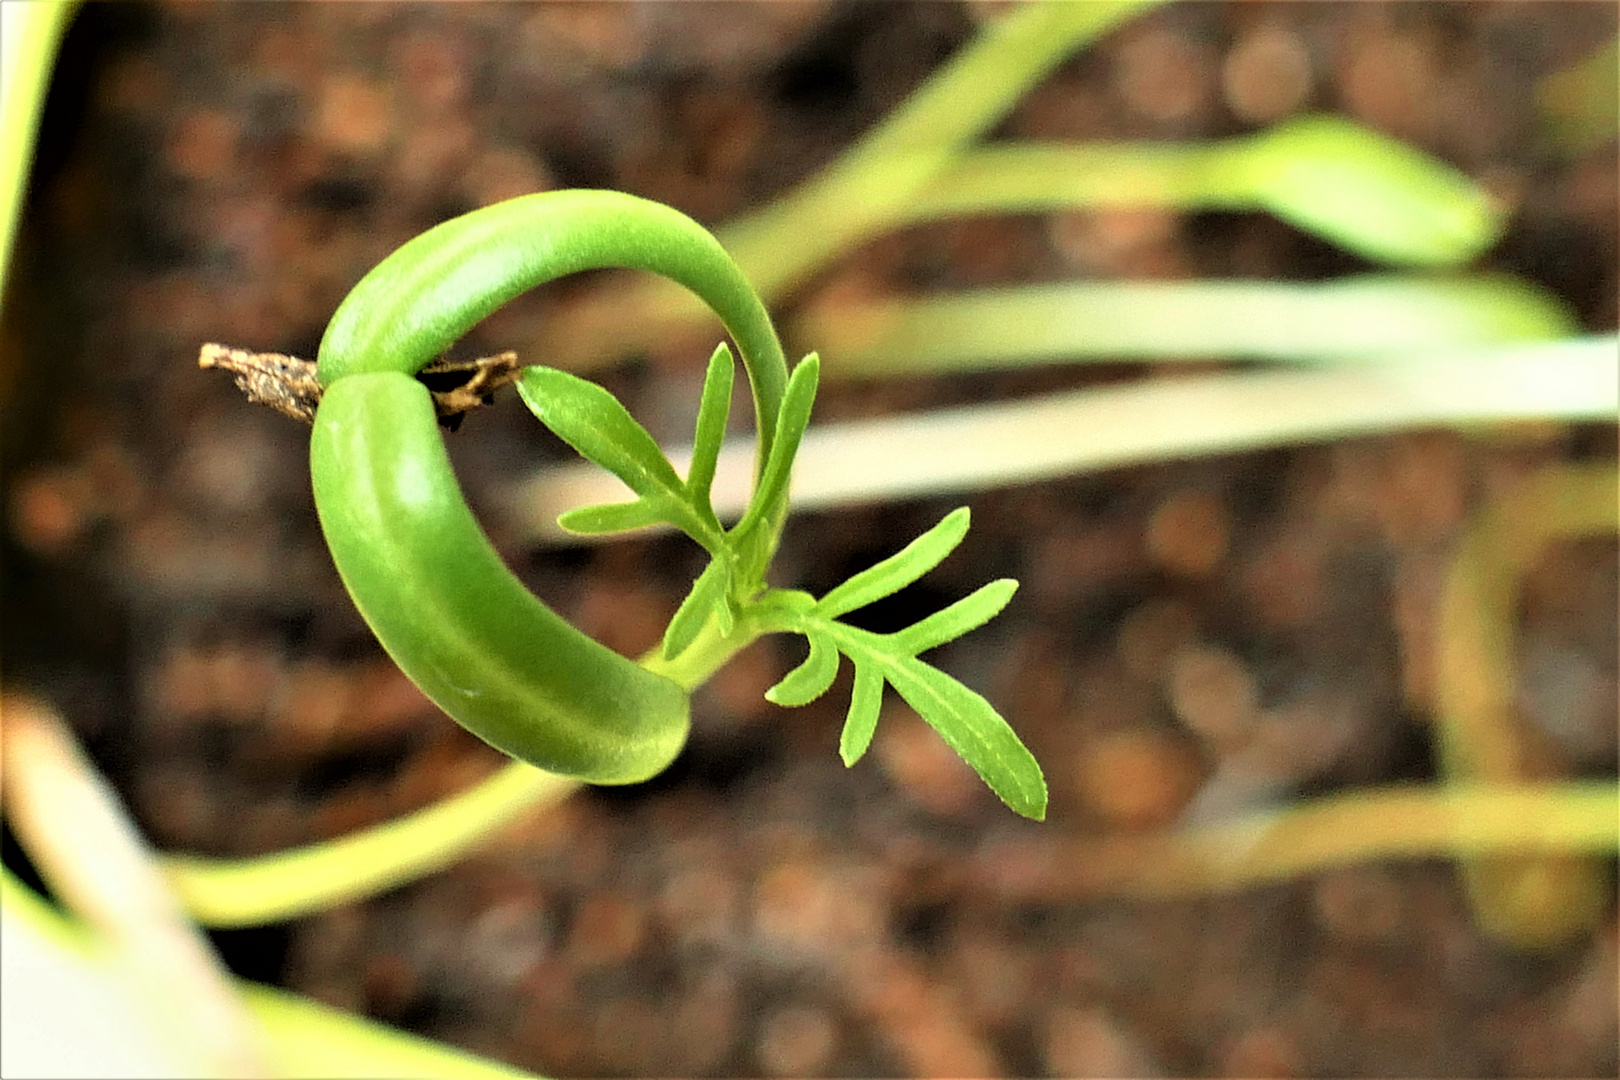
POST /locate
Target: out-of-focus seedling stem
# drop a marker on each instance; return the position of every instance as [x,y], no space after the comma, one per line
[1341,181]
[861,193]
[1370,317]
[1475,821]
[102,870]
[1526,901]
[987,446]
[298,881]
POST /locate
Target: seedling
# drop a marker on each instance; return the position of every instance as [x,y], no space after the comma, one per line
[444,605]
[486,650]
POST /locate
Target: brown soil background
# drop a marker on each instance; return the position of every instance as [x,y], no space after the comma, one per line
[224,172]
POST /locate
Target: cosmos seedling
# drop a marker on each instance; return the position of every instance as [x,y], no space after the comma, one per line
[486,650]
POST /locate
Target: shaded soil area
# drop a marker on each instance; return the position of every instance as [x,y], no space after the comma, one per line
[1191,639]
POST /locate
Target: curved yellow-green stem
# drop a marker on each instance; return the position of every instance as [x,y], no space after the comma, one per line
[1375,824]
[297,881]
[1544,900]
[419,568]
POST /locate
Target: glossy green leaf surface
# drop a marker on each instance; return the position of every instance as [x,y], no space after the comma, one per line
[494,656]
[969,724]
[414,560]
[453,616]
[771,492]
[420,300]
[594,423]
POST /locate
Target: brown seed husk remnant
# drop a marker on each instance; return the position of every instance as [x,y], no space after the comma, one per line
[290,386]
[284,383]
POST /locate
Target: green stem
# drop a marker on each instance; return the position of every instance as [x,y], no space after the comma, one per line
[299,881]
[312,1040]
[1578,105]
[1349,319]
[1346,183]
[980,447]
[874,179]
[1527,902]
[781,245]
[708,653]
[1013,178]
[1453,821]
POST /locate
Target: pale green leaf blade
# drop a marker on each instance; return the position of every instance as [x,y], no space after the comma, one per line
[591,420]
[810,679]
[971,726]
[708,592]
[713,409]
[611,517]
[950,623]
[1376,196]
[898,570]
[864,704]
